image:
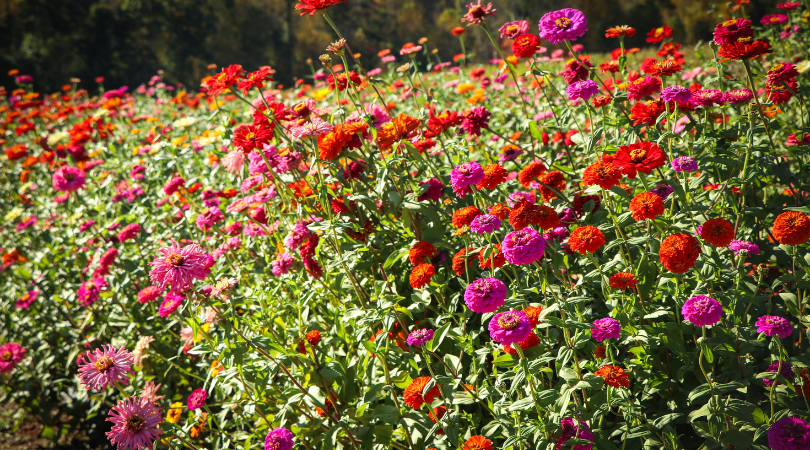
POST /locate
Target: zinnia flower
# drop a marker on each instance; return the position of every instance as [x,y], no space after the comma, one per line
[11,353]
[744,48]
[105,367]
[465,175]
[312,6]
[477,13]
[135,423]
[743,248]
[564,25]
[602,173]
[679,252]
[789,433]
[485,295]
[179,267]
[584,90]
[170,304]
[279,439]
[570,429]
[684,164]
[420,252]
[68,179]
[413,393]
[474,120]
[785,372]
[792,228]
[622,281]
[26,299]
[148,294]
[511,30]
[525,45]
[419,336]
[731,30]
[647,206]
[510,327]
[89,291]
[523,246]
[639,157]
[676,94]
[477,443]
[774,326]
[606,328]
[587,239]
[129,232]
[485,224]
[421,275]
[717,232]
[614,376]
[702,311]
[197,399]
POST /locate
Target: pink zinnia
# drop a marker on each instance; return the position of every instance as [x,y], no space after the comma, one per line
[523,246]
[774,326]
[148,294]
[128,232]
[11,353]
[135,423]
[702,310]
[282,264]
[433,192]
[170,304]
[475,119]
[209,217]
[89,291]
[69,179]
[25,301]
[105,367]
[511,30]
[197,399]
[607,328]
[179,267]
[173,185]
[567,24]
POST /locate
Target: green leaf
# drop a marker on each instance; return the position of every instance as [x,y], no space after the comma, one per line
[524,404]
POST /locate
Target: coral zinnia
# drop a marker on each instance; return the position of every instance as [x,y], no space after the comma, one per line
[647,206]
[602,173]
[622,281]
[421,275]
[135,423]
[586,239]
[792,228]
[420,252]
[178,267]
[105,367]
[312,6]
[614,376]
[679,252]
[414,393]
[717,232]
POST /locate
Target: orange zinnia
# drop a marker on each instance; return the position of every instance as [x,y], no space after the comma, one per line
[602,173]
[622,281]
[421,275]
[530,172]
[465,216]
[647,206]
[717,232]
[420,252]
[586,239]
[413,393]
[792,228]
[494,174]
[477,443]
[614,376]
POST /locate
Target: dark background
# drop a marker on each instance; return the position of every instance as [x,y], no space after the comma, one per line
[127,41]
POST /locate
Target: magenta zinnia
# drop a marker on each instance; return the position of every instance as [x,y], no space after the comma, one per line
[179,267]
[105,367]
[135,423]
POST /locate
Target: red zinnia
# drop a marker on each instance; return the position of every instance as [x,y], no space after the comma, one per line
[647,113]
[586,239]
[527,343]
[311,6]
[623,281]
[717,232]
[220,82]
[461,260]
[602,173]
[413,393]
[744,48]
[792,228]
[342,80]
[494,259]
[256,79]
[620,31]
[248,137]
[420,252]
[554,179]
[523,215]
[639,157]
[421,275]
[546,217]
[663,68]
[313,337]
[647,206]
[679,252]
[659,34]
[525,45]
[500,211]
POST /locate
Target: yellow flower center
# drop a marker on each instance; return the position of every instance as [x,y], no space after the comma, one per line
[563,22]
[638,155]
[174,259]
[508,321]
[6,356]
[104,363]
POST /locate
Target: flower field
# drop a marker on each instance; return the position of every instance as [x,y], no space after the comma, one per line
[554,250]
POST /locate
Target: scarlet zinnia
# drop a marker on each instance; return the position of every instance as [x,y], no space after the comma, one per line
[312,6]
[602,173]
[792,228]
[614,376]
[659,34]
[530,172]
[663,68]
[523,215]
[421,275]
[527,343]
[744,48]
[494,174]
[623,281]
[249,137]
[477,443]
[717,232]
[586,239]
[525,45]
[494,259]
[647,206]
[465,216]
[679,252]
[620,31]
[461,260]
[639,157]
[647,113]
[413,393]
[420,252]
